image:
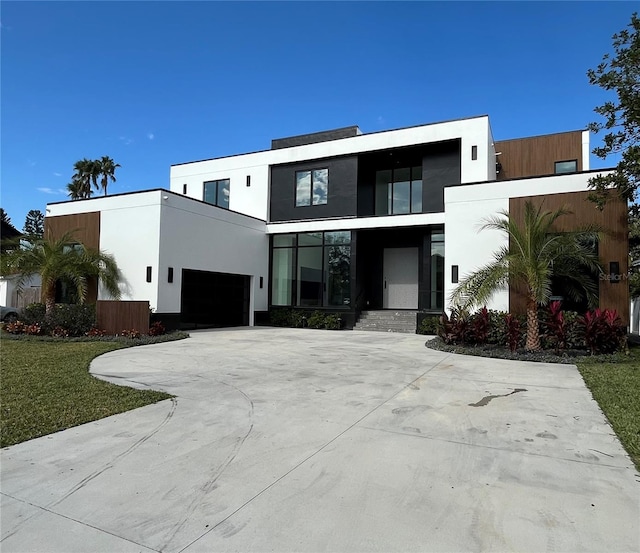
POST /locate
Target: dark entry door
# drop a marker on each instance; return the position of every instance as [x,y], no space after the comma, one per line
[211,299]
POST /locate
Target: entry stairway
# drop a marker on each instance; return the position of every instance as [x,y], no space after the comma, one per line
[388,321]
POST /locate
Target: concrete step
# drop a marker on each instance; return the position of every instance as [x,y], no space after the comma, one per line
[387,321]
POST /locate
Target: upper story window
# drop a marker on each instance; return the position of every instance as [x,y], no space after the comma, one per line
[399,191]
[570,166]
[312,187]
[216,192]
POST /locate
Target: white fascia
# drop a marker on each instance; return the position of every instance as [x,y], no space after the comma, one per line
[357,223]
[253,200]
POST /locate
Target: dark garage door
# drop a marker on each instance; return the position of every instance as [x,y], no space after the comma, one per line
[214,299]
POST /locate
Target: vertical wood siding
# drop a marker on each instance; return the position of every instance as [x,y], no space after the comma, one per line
[86,229]
[116,316]
[536,156]
[613,245]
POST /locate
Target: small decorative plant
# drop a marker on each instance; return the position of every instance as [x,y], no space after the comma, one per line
[157,329]
[513,331]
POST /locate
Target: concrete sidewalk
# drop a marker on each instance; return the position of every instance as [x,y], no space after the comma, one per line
[308,440]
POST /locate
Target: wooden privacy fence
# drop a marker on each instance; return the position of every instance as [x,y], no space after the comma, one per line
[27,296]
[116,316]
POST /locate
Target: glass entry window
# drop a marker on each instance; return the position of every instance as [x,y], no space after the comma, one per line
[399,191]
[437,271]
[311,269]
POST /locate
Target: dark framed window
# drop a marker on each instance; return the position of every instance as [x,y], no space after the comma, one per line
[568,166]
[311,269]
[399,191]
[216,192]
[312,187]
[436,284]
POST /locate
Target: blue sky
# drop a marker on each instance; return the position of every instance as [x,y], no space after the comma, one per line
[156,83]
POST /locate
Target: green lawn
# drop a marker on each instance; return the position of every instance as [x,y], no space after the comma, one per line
[46,387]
[616,388]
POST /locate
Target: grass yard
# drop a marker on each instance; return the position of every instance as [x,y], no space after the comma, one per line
[616,388]
[46,387]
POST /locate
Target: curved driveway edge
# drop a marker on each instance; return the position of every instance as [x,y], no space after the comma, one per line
[309,440]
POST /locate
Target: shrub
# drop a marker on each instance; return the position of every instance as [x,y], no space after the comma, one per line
[132,333]
[316,320]
[513,332]
[59,332]
[429,325]
[280,317]
[95,332]
[497,330]
[33,313]
[16,327]
[555,327]
[74,319]
[453,330]
[333,321]
[33,330]
[298,319]
[603,331]
[157,329]
[478,328]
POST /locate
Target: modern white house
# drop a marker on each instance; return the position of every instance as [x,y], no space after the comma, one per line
[340,220]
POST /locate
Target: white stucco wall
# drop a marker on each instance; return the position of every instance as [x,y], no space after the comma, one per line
[129,230]
[254,200]
[201,237]
[159,229]
[468,207]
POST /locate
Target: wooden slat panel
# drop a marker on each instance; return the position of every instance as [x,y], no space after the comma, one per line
[116,316]
[536,155]
[613,245]
[86,227]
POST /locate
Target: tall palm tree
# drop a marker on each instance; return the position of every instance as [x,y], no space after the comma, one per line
[75,190]
[61,259]
[534,255]
[105,170]
[86,174]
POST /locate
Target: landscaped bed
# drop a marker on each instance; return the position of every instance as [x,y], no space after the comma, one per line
[46,385]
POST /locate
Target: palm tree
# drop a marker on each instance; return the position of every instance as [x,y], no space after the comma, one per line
[105,169]
[61,259]
[534,255]
[75,190]
[86,174]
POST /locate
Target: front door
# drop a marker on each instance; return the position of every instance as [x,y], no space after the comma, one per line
[400,279]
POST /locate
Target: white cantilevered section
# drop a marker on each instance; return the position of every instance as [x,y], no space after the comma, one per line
[253,200]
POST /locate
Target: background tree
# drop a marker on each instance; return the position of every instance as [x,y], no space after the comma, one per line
[105,169]
[61,259]
[4,217]
[619,74]
[34,224]
[534,254]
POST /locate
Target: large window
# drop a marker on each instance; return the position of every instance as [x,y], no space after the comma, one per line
[216,192]
[312,269]
[399,191]
[312,187]
[436,301]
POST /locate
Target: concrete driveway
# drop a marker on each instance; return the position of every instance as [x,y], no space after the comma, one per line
[306,440]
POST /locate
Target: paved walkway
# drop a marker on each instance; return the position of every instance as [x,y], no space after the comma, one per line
[303,440]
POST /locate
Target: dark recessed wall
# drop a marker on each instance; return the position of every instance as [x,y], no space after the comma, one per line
[440,168]
[341,197]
